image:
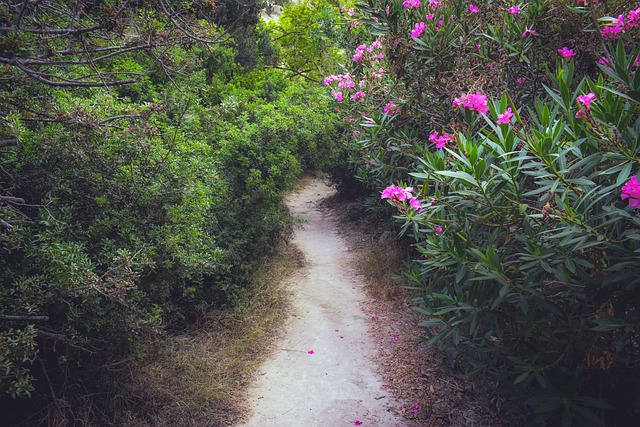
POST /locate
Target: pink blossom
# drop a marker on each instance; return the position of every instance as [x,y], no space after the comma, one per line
[478,46]
[394,338]
[605,62]
[528,30]
[565,52]
[473,101]
[437,229]
[389,108]
[440,140]
[397,193]
[473,8]
[611,32]
[357,422]
[375,45]
[586,99]
[351,12]
[310,352]
[373,318]
[631,191]
[358,56]
[411,3]
[434,4]
[505,118]
[429,16]
[579,114]
[359,95]
[514,10]
[418,29]
[337,95]
[521,80]
[416,407]
[416,204]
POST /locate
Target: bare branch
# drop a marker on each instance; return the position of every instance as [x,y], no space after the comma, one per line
[299,73]
[8,142]
[9,199]
[10,318]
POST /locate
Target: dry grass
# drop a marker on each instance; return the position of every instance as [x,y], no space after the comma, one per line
[410,373]
[200,379]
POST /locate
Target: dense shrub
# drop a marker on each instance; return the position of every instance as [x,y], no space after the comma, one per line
[518,184]
[129,210]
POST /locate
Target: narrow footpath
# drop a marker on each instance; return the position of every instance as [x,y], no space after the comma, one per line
[323,371]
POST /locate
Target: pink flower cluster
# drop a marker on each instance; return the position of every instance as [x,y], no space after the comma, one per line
[565,52]
[440,140]
[505,118]
[391,109]
[345,81]
[360,51]
[621,24]
[418,29]
[514,10]
[586,100]
[397,194]
[473,101]
[473,8]
[631,191]
[411,3]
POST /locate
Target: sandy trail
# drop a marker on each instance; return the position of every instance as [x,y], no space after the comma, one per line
[336,384]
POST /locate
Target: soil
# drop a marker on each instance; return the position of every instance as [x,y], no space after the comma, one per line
[324,370]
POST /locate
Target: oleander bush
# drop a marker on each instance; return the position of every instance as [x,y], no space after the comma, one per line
[505,137]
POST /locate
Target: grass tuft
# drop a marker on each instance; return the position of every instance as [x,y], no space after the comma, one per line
[200,378]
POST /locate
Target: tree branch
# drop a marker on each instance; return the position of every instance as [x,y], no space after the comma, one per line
[10,318]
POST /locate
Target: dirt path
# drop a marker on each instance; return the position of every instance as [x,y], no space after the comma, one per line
[323,371]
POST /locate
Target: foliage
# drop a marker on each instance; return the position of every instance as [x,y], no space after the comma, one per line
[129,208]
[522,180]
[306,36]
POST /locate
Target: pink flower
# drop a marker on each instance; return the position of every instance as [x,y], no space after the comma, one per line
[631,191]
[416,204]
[440,140]
[579,114]
[418,29]
[473,101]
[521,80]
[416,407]
[478,47]
[373,318]
[437,229]
[351,12]
[358,56]
[473,8]
[357,422]
[587,99]
[429,16]
[337,95]
[397,193]
[358,95]
[528,31]
[310,352]
[514,10]
[565,52]
[394,338]
[411,3]
[505,118]
[389,108]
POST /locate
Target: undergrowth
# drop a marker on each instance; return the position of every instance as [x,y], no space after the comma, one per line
[200,377]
